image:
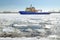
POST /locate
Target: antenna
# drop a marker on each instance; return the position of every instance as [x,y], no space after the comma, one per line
[31,5]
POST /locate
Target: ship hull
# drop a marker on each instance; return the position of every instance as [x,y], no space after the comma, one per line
[26,12]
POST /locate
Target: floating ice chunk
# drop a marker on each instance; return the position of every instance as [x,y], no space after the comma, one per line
[8,29]
[53,36]
[48,26]
[18,25]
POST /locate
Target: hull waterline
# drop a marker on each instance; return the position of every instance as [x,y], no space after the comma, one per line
[28,13]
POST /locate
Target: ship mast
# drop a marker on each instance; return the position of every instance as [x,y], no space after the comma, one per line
[31,6]
[32,9]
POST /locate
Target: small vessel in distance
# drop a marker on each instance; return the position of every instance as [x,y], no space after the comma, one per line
[32,10]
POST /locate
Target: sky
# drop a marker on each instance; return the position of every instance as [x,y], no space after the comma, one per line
[18,5]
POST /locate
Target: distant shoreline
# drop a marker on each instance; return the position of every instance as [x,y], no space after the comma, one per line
[8,12]
[18,12]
